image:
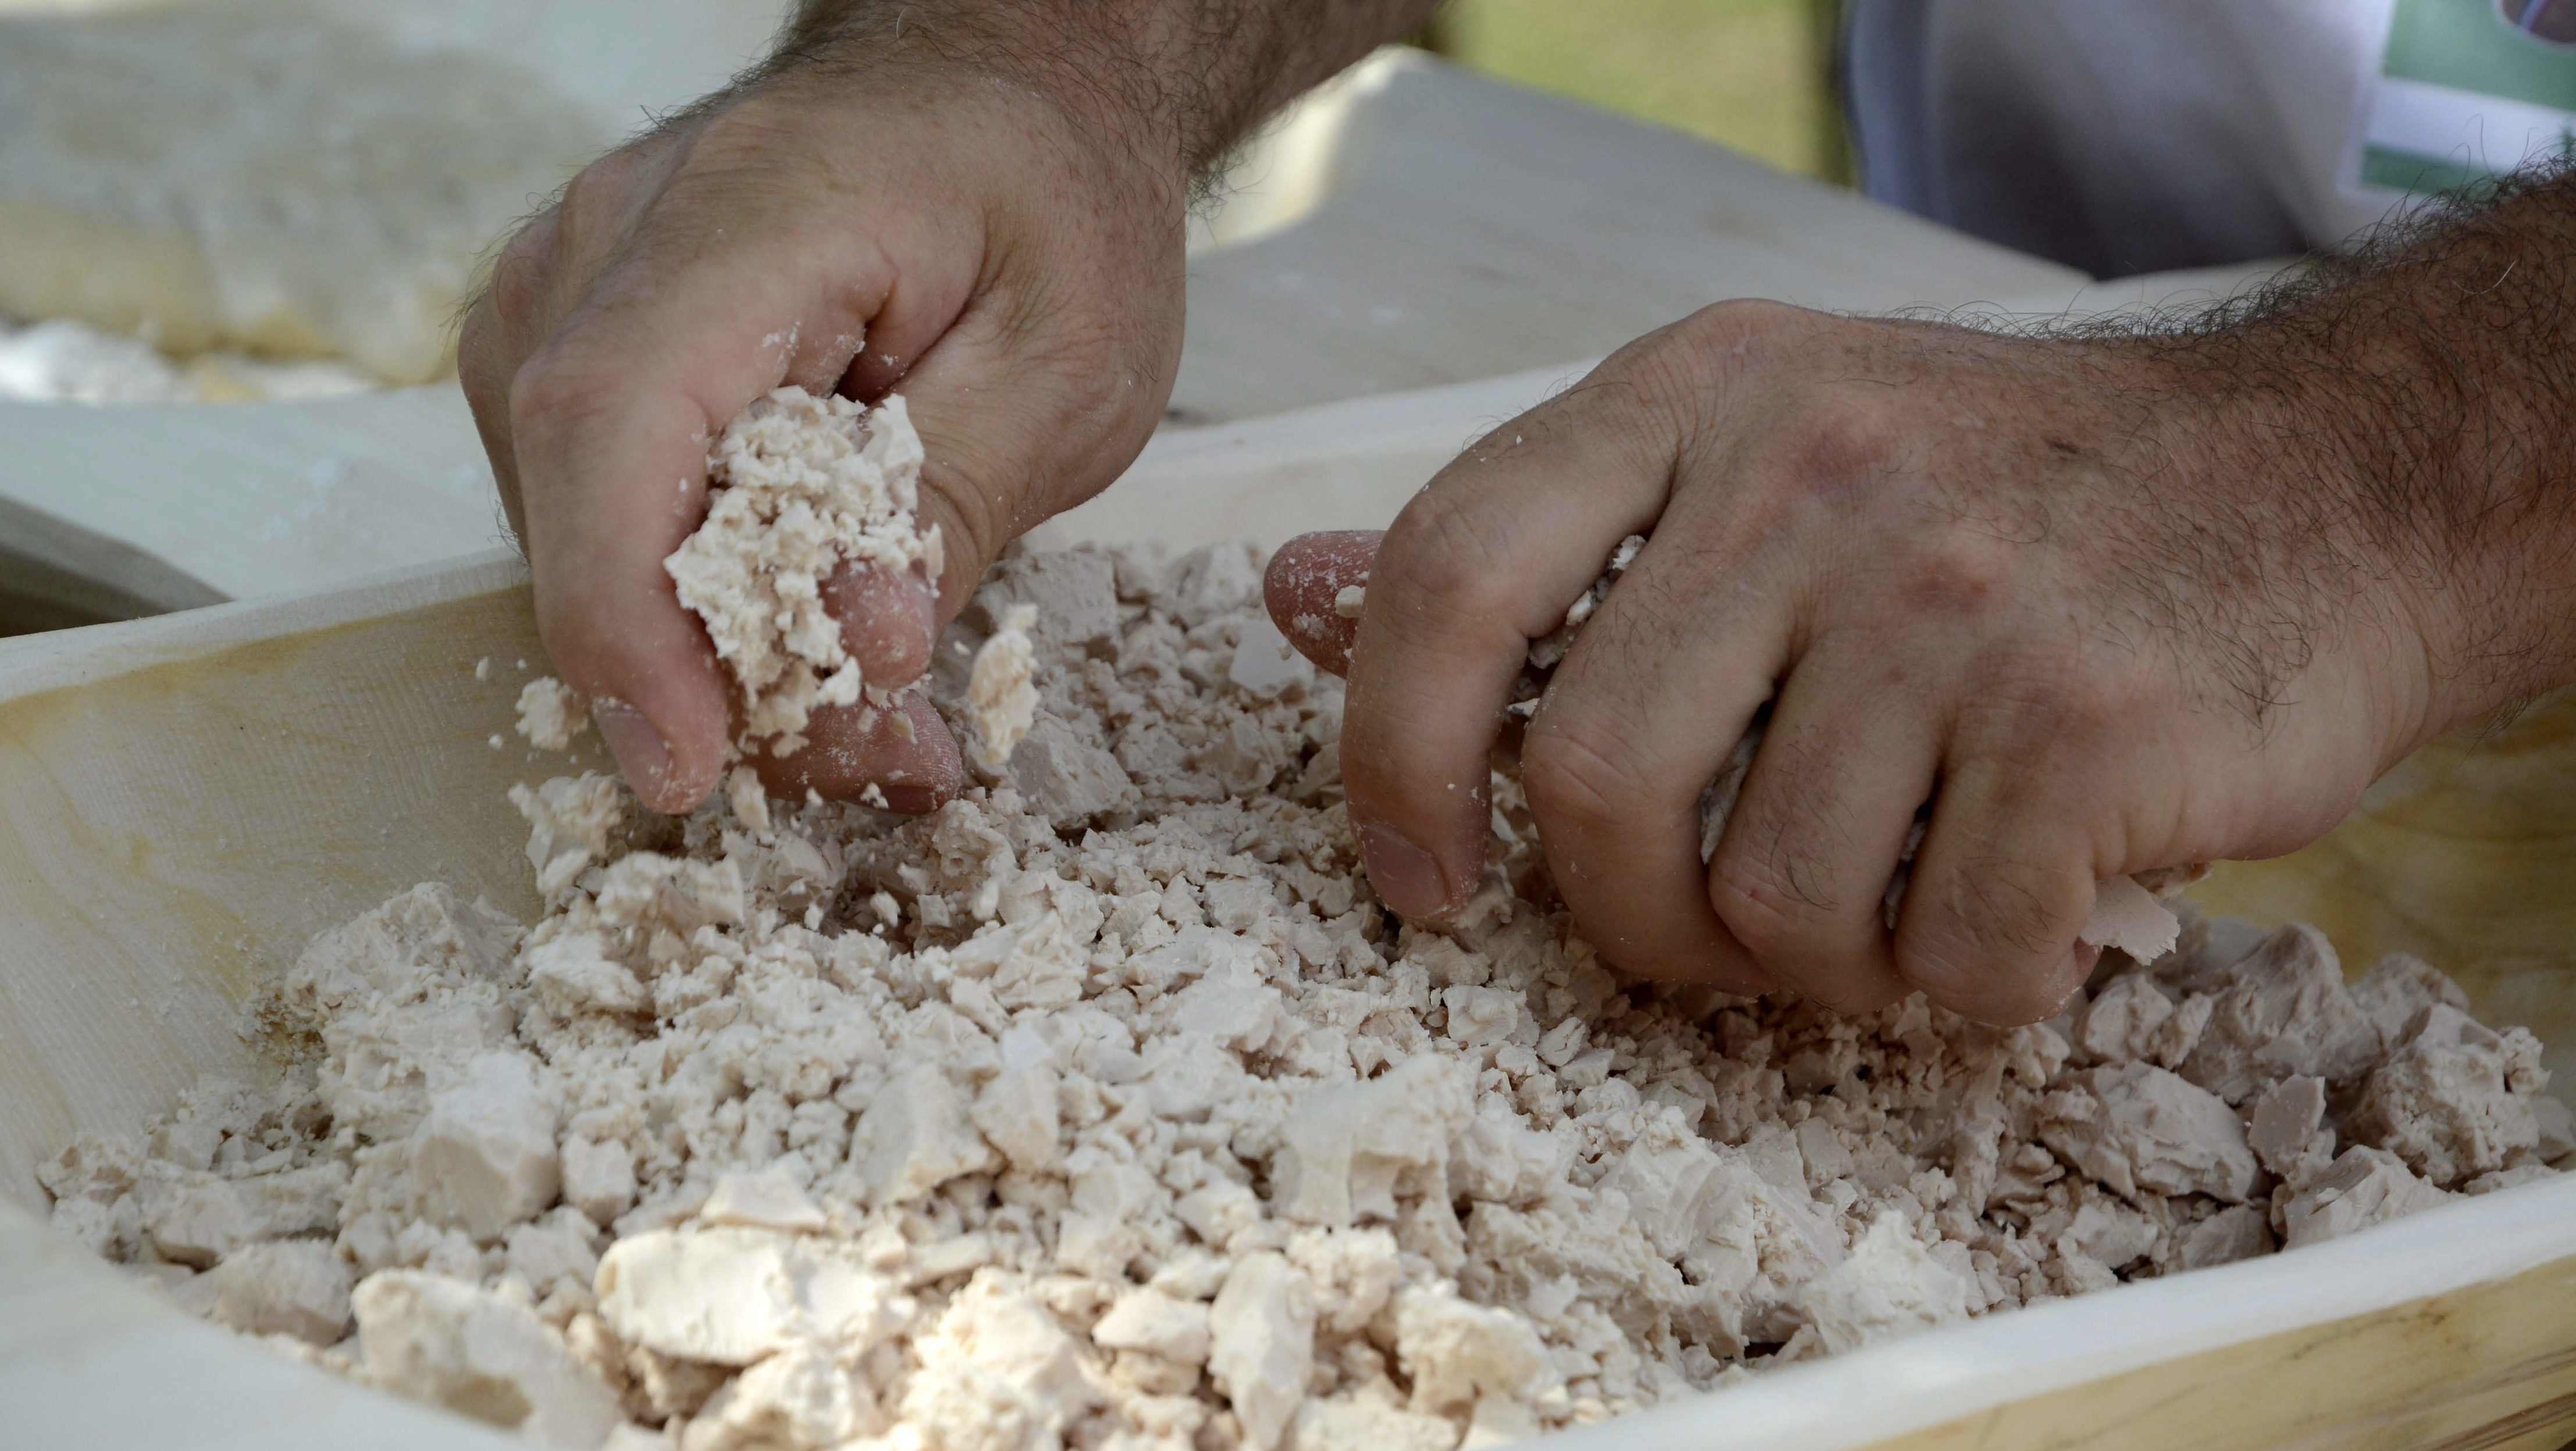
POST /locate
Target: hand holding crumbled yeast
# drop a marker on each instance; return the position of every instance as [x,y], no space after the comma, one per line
[1104,1107]
[797,487]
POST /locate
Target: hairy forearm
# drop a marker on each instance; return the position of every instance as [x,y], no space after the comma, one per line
[2427,385]
[1184,79]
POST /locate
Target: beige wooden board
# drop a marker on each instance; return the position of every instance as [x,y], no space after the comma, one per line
[184,800]
[1433,226]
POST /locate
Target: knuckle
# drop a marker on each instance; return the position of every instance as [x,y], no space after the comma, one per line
[1743,323]
[1832,445]
[1585,778]
[1963,573]
[1444,556]
[1980,943]
[480,369]
[556,391]
[2041,704]
[596,200]
[1780,913]
[520,273]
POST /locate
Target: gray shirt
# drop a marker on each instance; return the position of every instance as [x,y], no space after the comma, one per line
[2125,136]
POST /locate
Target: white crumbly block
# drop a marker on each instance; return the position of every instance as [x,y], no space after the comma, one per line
[997,1370]
[485,1155]
[2363,1187]
[2137,1127]
[2286,1012]
[1351,601]
[1067,779]
[1368,1426]
[297,1287]
[1108,1109]
[1262,1344]
[800,1399]
[1155,1323]
[2237,1232]
[721,1295]
[1458,1353]
[199,1218]
[1018,1111]
[2455,1099]
[574,973]
[1071,594]
[2128,917]
[2287,1131]
[570,820]
[481,1355]
[1002,694]
[2398,987]
[915,1136]
[1265,663]
[551,714]
[598,1179]
[798,486]
[1889,1285]
[1347,1150]
[762,1199]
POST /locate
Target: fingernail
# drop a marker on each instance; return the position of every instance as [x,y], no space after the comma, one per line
[1404,875]
[641,756]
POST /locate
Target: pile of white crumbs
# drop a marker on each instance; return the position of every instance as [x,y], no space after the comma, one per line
[1104,1108]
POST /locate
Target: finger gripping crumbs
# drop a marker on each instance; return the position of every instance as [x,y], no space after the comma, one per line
[2127,912]
[798,486]
[1104,1108]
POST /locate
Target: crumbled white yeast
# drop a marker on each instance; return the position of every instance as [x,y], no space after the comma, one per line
[1002,692]
[797,486]
[551,713]
[1105,1108]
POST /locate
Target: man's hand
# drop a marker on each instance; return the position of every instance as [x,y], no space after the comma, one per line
[2102,605]
[980,202]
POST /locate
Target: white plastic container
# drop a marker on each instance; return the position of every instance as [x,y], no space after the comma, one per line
[184,801]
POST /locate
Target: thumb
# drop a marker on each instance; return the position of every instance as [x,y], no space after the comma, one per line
[1303,590]
[1015,430]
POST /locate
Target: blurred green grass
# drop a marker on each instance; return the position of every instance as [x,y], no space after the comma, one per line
[1750,74]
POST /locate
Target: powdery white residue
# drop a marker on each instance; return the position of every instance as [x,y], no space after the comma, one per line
[1103,1107]
[551,713]
[798,485]
[1001,692]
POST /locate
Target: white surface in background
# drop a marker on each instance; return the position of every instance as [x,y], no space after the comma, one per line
[63,361]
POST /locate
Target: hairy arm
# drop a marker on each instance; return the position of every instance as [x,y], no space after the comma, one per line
[1188,78]
[2432,374]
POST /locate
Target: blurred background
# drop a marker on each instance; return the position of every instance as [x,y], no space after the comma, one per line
[1754,75]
